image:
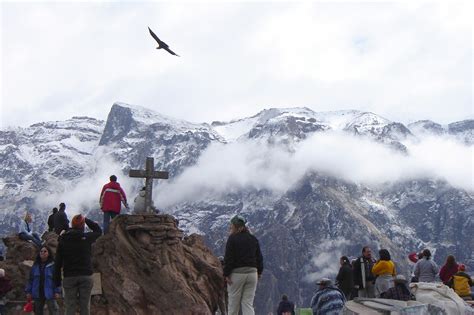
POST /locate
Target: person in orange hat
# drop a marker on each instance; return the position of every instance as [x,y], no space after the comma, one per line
[73,256]
[461,283]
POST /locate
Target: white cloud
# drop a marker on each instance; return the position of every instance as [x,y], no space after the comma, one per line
[84,193]
[325,258]
[401,60]
[224,168]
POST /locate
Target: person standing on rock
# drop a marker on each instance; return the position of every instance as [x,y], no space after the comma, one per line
[51,220]
[345,278]
[40,286]
[74,257]
[363,277]
[243,266]
[426,269]
[111,198]
[61,222]
[448,270]
[384,270]
[26,233]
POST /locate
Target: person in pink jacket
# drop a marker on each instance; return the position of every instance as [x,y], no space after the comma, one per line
[111,199]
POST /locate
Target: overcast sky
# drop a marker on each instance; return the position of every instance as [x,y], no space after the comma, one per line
[403,60]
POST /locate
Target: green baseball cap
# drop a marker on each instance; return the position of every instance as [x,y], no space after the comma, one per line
[238,220]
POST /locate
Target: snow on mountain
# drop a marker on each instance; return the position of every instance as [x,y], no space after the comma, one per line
[290,125]
[461,130]
[302,230]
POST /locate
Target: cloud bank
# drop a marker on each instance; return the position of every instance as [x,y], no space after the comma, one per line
[251,165]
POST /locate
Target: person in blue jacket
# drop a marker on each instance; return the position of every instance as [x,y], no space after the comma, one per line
[40,286]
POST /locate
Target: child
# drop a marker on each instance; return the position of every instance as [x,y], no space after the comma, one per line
[5,287]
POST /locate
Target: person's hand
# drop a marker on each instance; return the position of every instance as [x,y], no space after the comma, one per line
[228,280]
[57,296]
[28,296]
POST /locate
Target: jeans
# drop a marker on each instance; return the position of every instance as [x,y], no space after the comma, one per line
[108,215]
[77,289]
[33,237]
[53,307]
[242,292]
[2,309]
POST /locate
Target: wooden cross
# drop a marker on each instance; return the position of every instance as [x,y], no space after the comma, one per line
[149,174]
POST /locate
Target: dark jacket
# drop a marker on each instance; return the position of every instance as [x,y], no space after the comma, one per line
[286,307]
[242,250]
[51,222]
[5,286]
[345,279]
[357,271]
[61,221]
[74,252]
[33,285]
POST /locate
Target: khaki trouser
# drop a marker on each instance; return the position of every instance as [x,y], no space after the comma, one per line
[242,292]
[77,289]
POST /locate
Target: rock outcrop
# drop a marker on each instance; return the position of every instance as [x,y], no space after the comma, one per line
[147,266]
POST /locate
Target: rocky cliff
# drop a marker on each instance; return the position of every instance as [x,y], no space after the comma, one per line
[146,266]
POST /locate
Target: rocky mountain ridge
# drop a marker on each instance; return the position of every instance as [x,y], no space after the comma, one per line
[302,230]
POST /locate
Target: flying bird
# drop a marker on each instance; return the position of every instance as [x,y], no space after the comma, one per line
[161,44]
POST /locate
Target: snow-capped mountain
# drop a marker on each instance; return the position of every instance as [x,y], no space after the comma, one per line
[302,229]
[463,130]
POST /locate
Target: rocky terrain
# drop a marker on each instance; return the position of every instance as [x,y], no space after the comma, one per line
[304,220]
[146,266]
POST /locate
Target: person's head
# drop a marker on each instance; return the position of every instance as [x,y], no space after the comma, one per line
[426,253]
[400,279]
[78,222]
[344,260]
[450,261]
[113,178]
[237,224]
[420,255]
[2,273]
[323,283]
[62,206]
[384,254]
[28,218]
[55,210]
[461,267]
[366,252]
[284,297]
[44,254]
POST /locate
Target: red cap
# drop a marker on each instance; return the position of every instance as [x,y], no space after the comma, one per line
[461,267]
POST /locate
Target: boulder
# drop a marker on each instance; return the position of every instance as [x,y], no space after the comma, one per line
[149,267]
[146,264]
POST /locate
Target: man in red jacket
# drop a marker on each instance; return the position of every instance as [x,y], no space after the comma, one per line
[111,197]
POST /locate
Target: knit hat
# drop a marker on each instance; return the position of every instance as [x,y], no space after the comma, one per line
[2,273]
[461,267]
[238,220]
[78,222]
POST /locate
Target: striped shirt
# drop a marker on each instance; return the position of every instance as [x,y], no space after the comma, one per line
[327,301]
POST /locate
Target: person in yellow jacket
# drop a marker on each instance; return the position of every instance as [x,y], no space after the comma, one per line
[384,270]
[461,282]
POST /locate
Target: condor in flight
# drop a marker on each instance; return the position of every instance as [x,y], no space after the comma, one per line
[161,44]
